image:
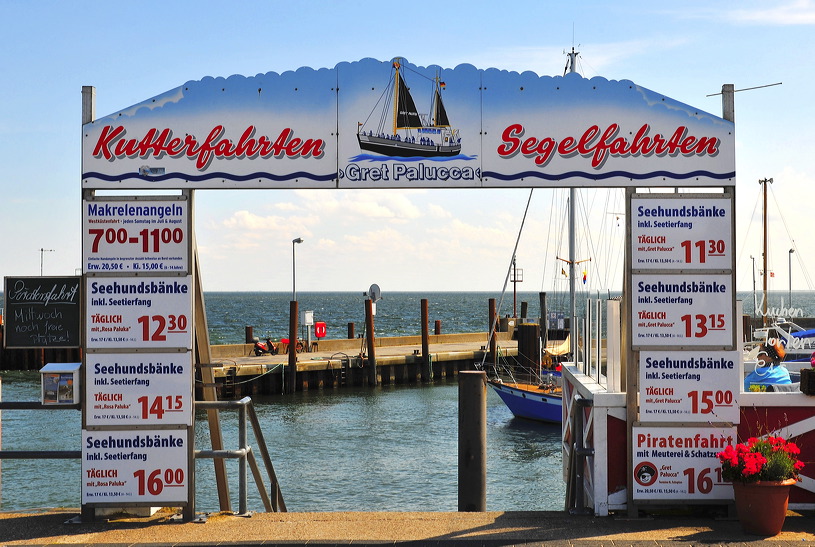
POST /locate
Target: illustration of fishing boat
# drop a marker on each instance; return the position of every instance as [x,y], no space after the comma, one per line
[402,131]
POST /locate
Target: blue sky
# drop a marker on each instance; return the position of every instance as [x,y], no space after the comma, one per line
[401,239]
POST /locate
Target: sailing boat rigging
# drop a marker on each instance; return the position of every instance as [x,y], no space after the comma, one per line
[401,130]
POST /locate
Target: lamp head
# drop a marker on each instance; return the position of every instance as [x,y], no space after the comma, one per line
[298,240]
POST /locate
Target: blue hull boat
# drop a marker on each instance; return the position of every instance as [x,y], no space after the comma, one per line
[530,402]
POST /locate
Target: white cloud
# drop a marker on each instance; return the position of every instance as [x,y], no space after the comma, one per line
[800,12]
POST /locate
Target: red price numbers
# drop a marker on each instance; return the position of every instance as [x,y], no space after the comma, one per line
[159,405]
[697,326]
[702,481]
[156,327]
[704,402]
[155,482]
[704,249]
[151,240]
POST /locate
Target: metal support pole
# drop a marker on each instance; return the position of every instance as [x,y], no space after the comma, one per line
[244,445]
[472,441]
[493,329]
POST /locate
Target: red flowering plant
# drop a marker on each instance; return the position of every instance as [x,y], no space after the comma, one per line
[765,459]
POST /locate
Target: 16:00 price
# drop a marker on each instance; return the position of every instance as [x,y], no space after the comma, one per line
[151,240]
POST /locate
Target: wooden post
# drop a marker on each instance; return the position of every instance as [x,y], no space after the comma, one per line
[492,330]
[437,330]
[524,309]
[203,358]
[472,440]
[369,333]
[249,334]
[351,334]
[425,341]
[291,370]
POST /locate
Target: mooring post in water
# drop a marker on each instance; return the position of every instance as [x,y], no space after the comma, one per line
[437,329]
[351,334]
[425,341]
[493,328]
[291,384]
[472,441]
[249,334]
[369,334]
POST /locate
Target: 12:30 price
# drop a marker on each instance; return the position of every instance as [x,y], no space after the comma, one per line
[156,327]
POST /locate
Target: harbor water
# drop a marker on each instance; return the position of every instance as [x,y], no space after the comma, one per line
[383,449]
[390,448]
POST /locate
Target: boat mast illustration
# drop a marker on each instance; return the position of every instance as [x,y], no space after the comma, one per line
[410,134]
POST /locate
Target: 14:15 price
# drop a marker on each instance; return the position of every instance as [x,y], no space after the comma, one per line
[160,405]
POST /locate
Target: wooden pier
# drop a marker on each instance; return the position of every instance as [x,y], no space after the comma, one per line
[343,363]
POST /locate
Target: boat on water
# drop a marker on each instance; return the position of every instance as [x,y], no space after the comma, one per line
[532,393]
[402,131]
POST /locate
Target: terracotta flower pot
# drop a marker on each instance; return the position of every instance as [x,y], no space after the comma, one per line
[762,506]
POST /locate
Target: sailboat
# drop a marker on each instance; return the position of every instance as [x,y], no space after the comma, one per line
[532,389]
[402,131]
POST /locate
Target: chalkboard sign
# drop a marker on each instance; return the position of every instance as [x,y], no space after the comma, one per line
[42,312]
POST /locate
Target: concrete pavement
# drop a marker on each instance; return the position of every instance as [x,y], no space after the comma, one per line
[48,527]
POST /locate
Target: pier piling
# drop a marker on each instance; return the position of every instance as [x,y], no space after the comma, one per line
[425,341]
[472,441]
[369,333]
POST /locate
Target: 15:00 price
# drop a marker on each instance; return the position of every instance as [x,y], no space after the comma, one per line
[151,240]
[705,401]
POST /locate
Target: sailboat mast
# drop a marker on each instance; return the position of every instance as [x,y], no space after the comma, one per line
[571,66]
[764,320]
[395,95]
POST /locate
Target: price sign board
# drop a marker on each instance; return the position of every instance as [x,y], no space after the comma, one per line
[133,235]
[682,310]
[141,466]
[689,386]
[139,312]
[673,463]
[681,233]
[139,389]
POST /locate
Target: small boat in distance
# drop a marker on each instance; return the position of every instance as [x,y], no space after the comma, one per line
[410,134]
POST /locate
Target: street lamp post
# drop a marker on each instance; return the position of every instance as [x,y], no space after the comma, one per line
[294,269]
[790,265]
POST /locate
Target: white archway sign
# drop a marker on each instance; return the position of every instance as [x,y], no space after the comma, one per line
[359,125]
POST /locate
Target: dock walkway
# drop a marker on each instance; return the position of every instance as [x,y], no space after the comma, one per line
[493,528]
[398,360]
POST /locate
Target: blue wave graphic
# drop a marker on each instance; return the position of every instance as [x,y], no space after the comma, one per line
[371,157]
[609,175]
[209,176]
